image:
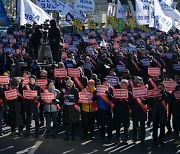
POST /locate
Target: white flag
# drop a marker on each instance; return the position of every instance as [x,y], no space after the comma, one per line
[30,13]
[110,10]
[103,44]
[151,13]
[162,22]
[169,11]
[85,5]
[142,12]
[76,13]
[120,12]
[168,2]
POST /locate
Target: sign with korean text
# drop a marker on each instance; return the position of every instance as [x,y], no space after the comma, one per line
[29,94]
[47,97]
[101,89]
[112,80]
[170,85]
[42,83]
[120,93]
[11,94]
[74,72]
[140,92]
[154,71]
[154,93]
[60,72]
[4,80]
[85,97]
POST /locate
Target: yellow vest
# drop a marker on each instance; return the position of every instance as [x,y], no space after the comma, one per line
[89,107]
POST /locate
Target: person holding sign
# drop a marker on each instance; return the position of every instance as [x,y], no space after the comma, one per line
[105,104]
[81,82]
[176,114]
[122,112]
[89,111]
[51,107]
[139,112]
[15,118]
[31,105]
[70,110]
[160,114]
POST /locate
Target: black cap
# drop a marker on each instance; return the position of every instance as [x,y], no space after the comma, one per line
[33,76]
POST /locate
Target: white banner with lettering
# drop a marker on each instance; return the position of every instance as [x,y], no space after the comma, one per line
[30,13]
[50,4]
[162,22]
[142,12]
[85,5]
[76,13]
[151,13]
[169,11]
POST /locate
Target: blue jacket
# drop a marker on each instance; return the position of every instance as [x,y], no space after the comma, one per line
[102,104]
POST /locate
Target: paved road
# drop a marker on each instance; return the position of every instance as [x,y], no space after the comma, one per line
[42,145]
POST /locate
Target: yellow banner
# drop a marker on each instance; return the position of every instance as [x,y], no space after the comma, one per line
[78,23]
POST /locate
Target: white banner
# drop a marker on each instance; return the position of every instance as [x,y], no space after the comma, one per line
[85,5]
[169,11]
[30,13]
[120,12]
[151,13]
[110,10]
[142,12]
[162,22]
[169,2]
[50,4]
[76,13]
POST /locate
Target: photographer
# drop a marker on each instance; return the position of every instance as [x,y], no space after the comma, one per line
[54,40]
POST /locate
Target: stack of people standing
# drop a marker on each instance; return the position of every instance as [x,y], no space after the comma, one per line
[107,79]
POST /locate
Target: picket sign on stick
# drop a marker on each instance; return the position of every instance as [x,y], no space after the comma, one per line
[101,89]
[85,97]
[11,94]
[4,80]
[154,93]
[29,94]
[170,85]
[140,92]
[74,72]
[154,71]
[60,72]
[120,93]
[42,83]
[47,97]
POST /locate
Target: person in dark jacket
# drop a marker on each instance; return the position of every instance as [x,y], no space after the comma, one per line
[54,40]
[159,115]
[81,82]
[35,41]
[176,115]
[31,107]
[139,113]
[70,110]
[15,118]
[122,113]
[51,108]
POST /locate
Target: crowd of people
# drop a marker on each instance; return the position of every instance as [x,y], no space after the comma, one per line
[97,77]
